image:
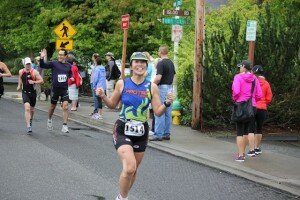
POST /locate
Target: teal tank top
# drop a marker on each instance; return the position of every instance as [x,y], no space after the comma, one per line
[135,100]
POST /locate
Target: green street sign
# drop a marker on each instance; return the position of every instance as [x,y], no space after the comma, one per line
[179,21]
[177,3]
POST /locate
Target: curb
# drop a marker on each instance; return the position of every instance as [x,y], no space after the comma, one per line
[268,180]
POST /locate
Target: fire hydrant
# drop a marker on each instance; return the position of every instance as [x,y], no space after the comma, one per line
[176,108]
[176,117]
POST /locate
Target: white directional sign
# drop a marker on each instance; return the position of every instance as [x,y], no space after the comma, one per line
[251,30]
[177,31]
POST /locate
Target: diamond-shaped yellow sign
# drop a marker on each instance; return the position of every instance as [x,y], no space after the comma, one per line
[64,44]
[65,30]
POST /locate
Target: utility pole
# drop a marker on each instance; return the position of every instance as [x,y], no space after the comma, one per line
[197,122]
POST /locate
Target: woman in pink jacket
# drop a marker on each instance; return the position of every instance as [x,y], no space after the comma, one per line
[241,91]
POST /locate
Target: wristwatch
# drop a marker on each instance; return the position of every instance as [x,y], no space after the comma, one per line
[167,104]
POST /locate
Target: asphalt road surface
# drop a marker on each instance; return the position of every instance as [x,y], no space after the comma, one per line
[83,165]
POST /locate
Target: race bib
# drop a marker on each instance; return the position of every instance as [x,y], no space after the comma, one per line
[134,128]
[61,78]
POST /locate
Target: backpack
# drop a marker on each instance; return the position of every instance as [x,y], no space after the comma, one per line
[32,74]
[115,72]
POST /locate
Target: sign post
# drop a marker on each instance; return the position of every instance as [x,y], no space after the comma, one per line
[65,31]
[125,27]
[251,37]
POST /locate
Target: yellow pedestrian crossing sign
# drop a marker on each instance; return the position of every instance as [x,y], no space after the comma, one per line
[65,30]
[64,44]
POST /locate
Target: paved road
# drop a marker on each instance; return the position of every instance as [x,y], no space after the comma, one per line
[83,165]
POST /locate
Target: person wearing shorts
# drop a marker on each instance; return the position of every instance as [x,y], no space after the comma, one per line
[245,85]
[61,72]
[28,77]
[130,133]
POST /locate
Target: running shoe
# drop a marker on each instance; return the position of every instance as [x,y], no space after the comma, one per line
[151,133]
[49,125]
[29,129]
[65,129]
[258,151]
[251,153]
[120,198]
[240,158]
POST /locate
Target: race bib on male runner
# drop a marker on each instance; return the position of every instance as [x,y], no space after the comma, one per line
[134,128]
[61,78]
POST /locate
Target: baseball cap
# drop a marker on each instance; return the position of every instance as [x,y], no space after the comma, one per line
[138,56]
[109,54]
[258,69]
[27,60]
[246,64]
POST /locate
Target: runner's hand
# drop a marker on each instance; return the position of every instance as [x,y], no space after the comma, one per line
[18,88]
[43,53]
[31,82]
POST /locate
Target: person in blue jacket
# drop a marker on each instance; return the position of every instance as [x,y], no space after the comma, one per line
[99,81]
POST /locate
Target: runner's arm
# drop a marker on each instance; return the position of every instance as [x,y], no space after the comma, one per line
[19,80]
[38,77]
[5,69]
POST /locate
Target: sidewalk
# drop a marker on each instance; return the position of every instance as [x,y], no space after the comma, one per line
[271,168]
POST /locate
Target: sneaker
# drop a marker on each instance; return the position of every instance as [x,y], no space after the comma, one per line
[240,158]
[95,116]
[65,129]
[151,133]
[49,125]
[251,153]
[166,137]
[120,198]
[257,151]
[100,116]
[153,138]
[29,129]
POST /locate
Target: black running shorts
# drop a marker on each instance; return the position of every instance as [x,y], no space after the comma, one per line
[59,93]
[29,97]
[138,143]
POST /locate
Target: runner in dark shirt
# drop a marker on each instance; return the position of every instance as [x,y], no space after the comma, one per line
[61,72]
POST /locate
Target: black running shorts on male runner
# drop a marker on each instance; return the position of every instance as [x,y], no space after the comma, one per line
[29,97]
[57,93]
[138,144]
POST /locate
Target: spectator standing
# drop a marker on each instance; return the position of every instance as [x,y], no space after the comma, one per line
[261,106]
[112,73]
[164,79]
[73,83]
[94,56]
[99,81]
[242,91]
